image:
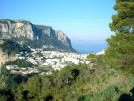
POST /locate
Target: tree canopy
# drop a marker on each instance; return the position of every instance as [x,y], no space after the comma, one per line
[120,52]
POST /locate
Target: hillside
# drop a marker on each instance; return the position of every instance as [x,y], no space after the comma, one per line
[92,80]
[97,82]
[35,36]
[38,63]
[4,57]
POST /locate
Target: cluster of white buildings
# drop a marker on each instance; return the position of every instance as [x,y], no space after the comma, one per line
[58,60]
[54,59]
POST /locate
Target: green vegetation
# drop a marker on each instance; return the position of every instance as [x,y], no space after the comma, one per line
[12,48]
[120,53]
[108,77]
[45,69]
[73,83]
[10,81]
[6,95]
[43,40]
[20,63]
[91,55]
[76,83]
[92,58]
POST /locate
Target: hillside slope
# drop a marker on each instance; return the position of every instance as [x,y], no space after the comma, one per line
[4,56]
[97,82]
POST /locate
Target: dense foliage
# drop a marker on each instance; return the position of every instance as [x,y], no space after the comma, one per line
[11,81]
[73,83]
[20,63]
[120,52]
[12,48]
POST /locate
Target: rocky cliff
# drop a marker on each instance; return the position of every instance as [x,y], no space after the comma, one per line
[36,36]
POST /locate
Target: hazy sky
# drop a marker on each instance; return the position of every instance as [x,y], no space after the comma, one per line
[83,21]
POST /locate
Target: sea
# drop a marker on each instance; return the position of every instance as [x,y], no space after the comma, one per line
[87,48]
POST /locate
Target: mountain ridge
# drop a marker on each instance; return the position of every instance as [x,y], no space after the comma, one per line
[36,36]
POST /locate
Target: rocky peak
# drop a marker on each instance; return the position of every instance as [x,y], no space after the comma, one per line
[15,28]
[43,35]
[62,37]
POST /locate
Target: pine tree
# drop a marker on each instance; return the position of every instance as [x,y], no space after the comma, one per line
[120,52]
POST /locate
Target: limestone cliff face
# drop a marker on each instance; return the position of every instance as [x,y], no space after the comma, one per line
[16,28]
[59,35]
[63,38]
[44,35]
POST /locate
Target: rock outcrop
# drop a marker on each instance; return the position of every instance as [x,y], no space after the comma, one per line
[36,36]
[15,28]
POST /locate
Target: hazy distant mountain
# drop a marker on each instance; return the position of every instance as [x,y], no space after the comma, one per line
[36,36]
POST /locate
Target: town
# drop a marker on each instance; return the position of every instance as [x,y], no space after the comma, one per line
[50,59]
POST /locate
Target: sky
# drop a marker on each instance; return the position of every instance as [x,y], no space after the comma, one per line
[85,22]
